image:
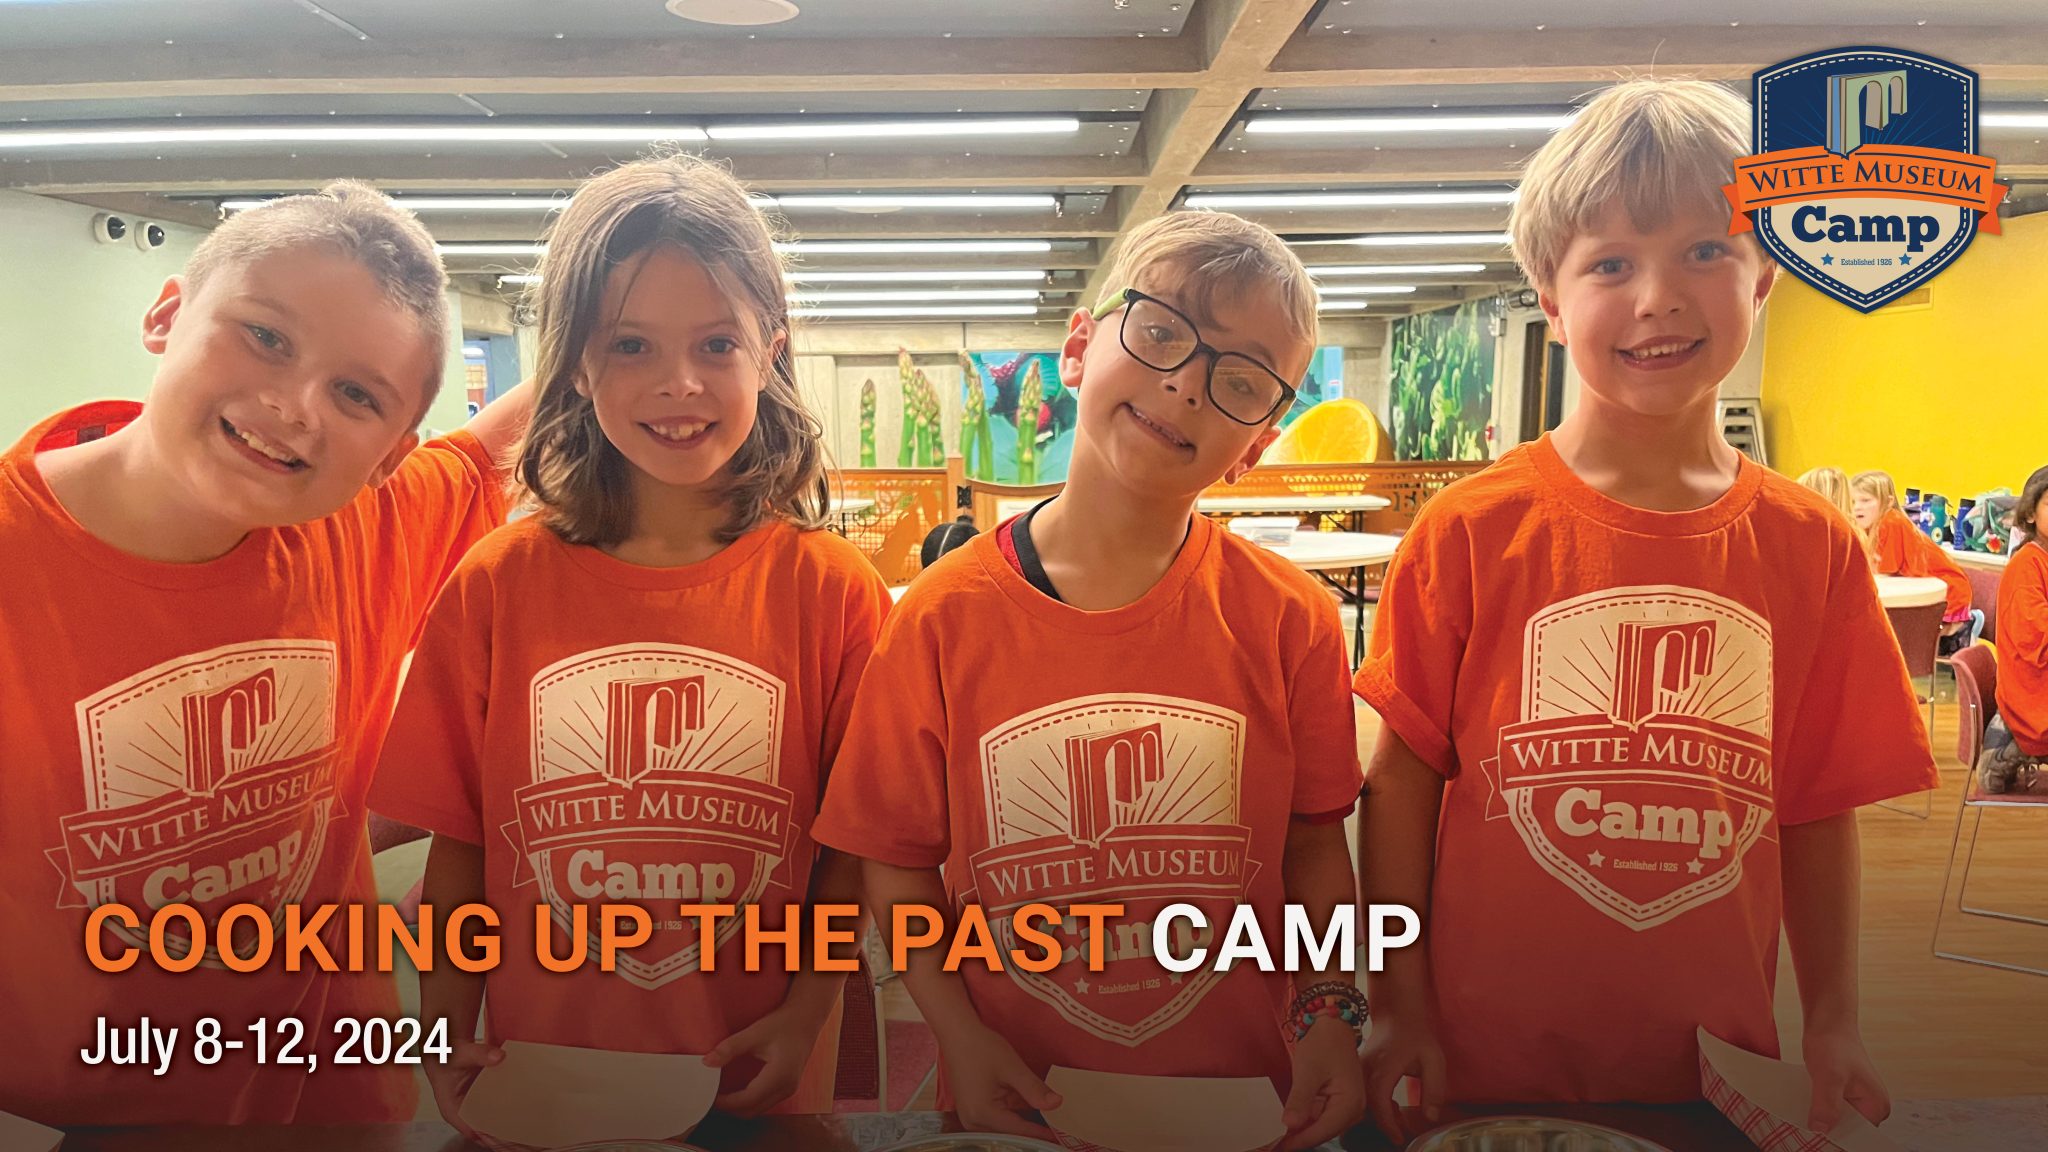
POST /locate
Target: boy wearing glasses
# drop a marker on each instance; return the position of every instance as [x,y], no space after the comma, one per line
[1110,700]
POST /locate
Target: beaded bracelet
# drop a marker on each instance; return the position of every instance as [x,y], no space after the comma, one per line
[1331,998]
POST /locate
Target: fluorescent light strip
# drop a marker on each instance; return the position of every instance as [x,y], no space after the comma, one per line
[2014,120]
[1394,269]
[917,276]
[885,247]
[917,296]
[1364,289]
[1413,240]
[1453,122]
[520,279]
[307,133]
[1240,201]
[534,204]
[1340,305]
[951,310]
[1044,203]
[464,249]
[894,129]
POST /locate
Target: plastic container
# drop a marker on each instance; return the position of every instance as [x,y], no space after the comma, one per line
[1265,530]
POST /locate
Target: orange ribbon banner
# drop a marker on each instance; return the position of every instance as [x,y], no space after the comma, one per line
[1897,171]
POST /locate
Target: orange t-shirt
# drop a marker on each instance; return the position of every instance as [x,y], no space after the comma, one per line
[1150,755]
[612,733]
[201,734]
[1903,550]
[1628,705]
[2023,647]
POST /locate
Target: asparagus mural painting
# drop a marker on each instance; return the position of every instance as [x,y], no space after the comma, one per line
[1442,383]
[977,439]
[1015,414]
[906,375]
[1028,402]
[867,424]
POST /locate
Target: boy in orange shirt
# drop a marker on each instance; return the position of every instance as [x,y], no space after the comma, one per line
[1112,677]
[1634,685]
[209,598]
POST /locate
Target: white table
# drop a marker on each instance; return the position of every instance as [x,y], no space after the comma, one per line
[1910,591]
[1349,552]
[1351,508]
[1980,559]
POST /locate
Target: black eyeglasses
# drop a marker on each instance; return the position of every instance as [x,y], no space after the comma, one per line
[1160,337]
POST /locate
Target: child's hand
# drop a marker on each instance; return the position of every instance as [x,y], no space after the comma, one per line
[451,1080]
[1398,1046]
[1842,1072]
[782,1041]
[1329,1085]
[992,1085]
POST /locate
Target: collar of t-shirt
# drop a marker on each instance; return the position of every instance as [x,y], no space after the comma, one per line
[1013,537]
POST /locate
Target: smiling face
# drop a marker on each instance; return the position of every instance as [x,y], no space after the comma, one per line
[287,383]
[671,369]
[1158,432]
[1654,321]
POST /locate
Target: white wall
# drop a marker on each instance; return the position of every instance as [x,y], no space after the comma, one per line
[71,309]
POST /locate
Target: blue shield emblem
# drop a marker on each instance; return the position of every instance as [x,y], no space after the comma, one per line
[1866,183]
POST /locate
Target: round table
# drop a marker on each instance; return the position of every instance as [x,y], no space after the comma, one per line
[1350,552]
[1910,591]
[1348,508]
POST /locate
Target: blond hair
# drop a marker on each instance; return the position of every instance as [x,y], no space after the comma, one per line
[581,481]
[1653,146]
[1879,487]
[1211,253]
[1832,483]
[354,220]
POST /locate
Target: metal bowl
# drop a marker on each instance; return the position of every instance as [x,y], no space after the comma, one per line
[973,1142]
[1530,1134]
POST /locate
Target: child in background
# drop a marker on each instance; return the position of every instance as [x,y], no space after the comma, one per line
[1897,548]
[1111,676]
[209,597]
[670,632]
[1634,685]
[2023,644]
[1833,484]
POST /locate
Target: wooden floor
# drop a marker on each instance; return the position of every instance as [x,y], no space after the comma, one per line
[1938,1029]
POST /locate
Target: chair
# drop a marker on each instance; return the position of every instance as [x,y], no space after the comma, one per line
[1918,630]
[1976,669]
[1984,596]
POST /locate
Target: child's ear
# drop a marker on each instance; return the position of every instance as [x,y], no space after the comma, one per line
[1548,303]
[1766,280]
[1250,459]
[156,323]
[1080,330]
[389,465]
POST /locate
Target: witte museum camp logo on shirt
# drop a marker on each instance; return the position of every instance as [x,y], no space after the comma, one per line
[209,781]
[1115,799]
[654,782]
[1639,774]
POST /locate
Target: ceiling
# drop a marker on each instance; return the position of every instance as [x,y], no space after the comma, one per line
[1150,99]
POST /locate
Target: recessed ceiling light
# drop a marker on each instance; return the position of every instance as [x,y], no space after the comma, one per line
[734,13]
[912,296]
[2014,120]
[1412,239]
[464,249]
[330,133]
[1365,289]
[880,247]
[867,203]
[1340,305]
[1237,201]
[896,129]
[1327,125]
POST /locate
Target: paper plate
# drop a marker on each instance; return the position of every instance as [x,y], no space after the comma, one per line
[557,1096]
[1113,1112]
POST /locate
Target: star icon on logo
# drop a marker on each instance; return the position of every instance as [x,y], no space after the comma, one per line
[1905,260]
[1173,977]
[1596,859]
[1827,259]
[1695,867]
[1081,986]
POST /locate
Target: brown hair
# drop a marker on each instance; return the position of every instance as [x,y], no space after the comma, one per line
[359,222]
[1212,252]
[1651,146]
[2030,500]
[581,481]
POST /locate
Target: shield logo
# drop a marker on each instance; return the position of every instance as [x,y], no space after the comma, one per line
[1866,183]
[655,781]
[210,780]
[1123,799]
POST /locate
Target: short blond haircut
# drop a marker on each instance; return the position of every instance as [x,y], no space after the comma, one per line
[1655,147]
[352,219]
[1215,255]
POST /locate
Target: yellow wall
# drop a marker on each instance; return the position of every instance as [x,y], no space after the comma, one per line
[1950,398]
